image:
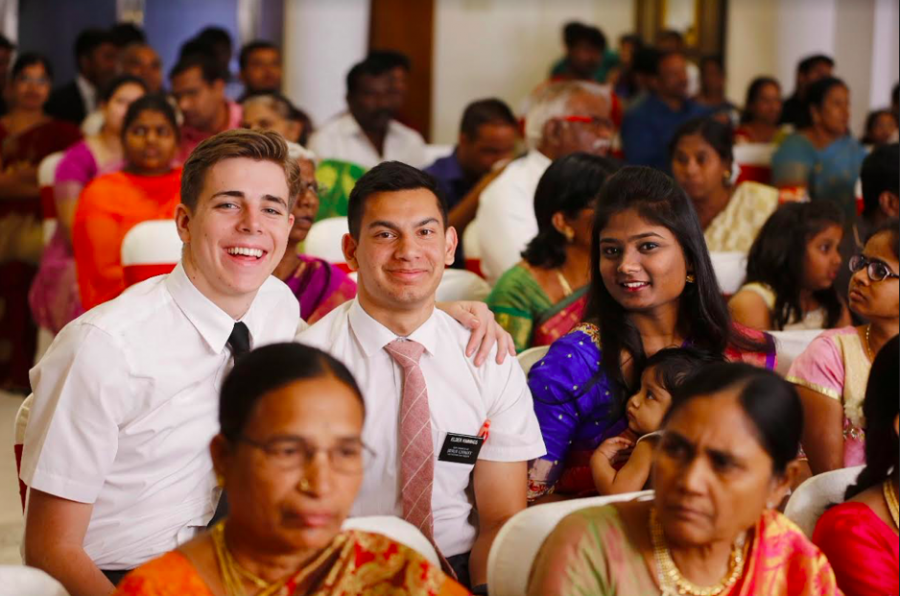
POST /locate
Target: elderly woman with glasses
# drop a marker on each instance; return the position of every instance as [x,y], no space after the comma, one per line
[290,456]
[831,374]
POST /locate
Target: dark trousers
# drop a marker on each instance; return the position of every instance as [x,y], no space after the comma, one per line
[460,565]
[115,576]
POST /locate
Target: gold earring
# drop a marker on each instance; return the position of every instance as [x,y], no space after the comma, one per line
[304,485]
[570,235]
[689,278]
[220,481]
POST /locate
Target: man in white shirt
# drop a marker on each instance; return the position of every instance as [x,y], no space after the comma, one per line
[450,438]
[564,118]
[368,133]
[116,451]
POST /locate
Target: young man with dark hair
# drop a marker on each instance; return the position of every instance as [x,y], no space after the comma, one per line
[369,133]
[809,70]
[97,58]
[260,63]
[450,439]
[198,86]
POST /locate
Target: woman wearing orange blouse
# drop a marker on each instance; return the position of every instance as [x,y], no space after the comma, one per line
[146,189]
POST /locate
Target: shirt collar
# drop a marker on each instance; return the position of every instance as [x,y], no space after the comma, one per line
[373,336]
[87,91]
[213,323]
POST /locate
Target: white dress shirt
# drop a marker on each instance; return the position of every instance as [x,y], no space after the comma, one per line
[461,397]
[126,402]
[343,139]
[506,220]
[88,93]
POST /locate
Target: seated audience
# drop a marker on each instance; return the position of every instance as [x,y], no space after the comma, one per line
[712,89]
[881,128]
[791,271]
[114,394]
[543,297]
[670,40]
[270,111]
[724,463]
[198,85]
[54,297]
[663,375]
[368,133]
[832,372]
[566,117]
[399,68]
[809,70]
[27,135]
[823,159]
[650,124]
[260,63]
[880,180]
[96,58]
[319,286]
[762,112]
[859,536]
[139,59]
[652,286]
[702,164]
[287,504]
[585,55]
[426,398]
[145,189]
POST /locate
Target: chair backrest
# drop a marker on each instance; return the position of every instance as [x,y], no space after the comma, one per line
[755,162]
[396,529]
[472,248]
[730,269]
[459,284]
[790,344]
[532,356]
[21,422]
[149,249]
[813,497]
[18,580]
[518,542]
[46,179]
[324,239]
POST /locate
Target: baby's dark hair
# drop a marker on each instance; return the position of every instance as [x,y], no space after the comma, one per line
[673,366]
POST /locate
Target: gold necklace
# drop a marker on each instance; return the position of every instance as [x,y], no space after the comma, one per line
[868,345]
[670,579]
[233,573]
[890,497]
[564,283]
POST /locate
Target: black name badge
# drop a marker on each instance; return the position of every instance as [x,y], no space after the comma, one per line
[461,449]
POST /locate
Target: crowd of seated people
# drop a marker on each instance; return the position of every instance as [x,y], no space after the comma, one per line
[219,428]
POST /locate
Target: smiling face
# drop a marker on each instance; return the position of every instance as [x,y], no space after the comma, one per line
[401,252]
[647,407]
[269,507]
[150,143]
[822,261]
[238,232]
[876,299]
[641,263]
[712,477]
[698,168]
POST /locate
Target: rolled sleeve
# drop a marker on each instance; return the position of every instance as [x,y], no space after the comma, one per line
[80,389]
[515,434]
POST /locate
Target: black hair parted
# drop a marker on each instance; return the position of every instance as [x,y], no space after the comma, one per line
[152,102]
[27,59]
[389,176]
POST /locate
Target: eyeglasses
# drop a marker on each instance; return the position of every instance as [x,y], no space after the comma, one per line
[876,270]
[594,121]
[293,453]
[306,187]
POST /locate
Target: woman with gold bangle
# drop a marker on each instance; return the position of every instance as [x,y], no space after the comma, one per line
[861,535]
[724,463]
[290,456]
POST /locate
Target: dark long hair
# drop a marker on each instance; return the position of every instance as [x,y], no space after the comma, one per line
[703,312]
[753,91]
[570,184]
[777,255]
[879,409]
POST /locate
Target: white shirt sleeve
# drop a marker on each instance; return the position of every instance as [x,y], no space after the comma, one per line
[514,434]
[503,230]
[82,392]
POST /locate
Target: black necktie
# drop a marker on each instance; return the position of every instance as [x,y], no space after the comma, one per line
[239,340]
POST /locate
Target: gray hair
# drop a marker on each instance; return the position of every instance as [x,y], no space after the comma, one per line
[552,102]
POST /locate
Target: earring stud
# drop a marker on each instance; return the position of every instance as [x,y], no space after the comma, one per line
[689,278]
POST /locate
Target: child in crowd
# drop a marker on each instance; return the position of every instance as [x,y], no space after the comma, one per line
[791,271]
[663,374]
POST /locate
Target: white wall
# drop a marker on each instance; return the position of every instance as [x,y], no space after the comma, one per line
[505,48]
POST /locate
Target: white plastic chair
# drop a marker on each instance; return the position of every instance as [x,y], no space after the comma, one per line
[324,239]
[790,344]
[459,284]
[18,580]
[396,529]
[813,497]
[518,542]
[532,356]
[46,179]
[730,269]
[149,249]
